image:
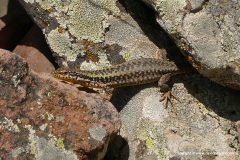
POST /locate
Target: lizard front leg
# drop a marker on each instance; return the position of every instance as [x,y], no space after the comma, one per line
[106,92]
[162,83]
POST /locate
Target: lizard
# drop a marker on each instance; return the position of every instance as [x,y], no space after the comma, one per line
[132,72]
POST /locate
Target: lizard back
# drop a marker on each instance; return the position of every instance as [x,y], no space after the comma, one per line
[133,72]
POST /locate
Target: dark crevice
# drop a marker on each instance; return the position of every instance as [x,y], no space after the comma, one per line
[19,28]
[118,149]
[42,46]
[146,19]
[17,25]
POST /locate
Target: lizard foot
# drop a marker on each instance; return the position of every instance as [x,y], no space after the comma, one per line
[166,97]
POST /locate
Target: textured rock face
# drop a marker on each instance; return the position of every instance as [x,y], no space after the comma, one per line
[187,130]
[203,124]
[89,30]
[45,119]
[208,32]
[33,48]
[70,27]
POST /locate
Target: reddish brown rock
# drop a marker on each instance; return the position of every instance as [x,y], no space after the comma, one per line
[42,118]
[33,48]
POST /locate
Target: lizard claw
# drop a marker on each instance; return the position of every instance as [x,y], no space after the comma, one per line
[166,97]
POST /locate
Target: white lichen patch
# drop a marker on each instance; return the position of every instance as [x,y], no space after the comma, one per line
[45,149]
[153,109]
[103,63]
[86,18]
[97,133]
[39,103]
[19,120]
[33,1]
[77,21]
[16,80]
[61,44]
[48,116]
[9,125]
[17,151]
[43,126]
[169,11]
[151,134]
[60,119]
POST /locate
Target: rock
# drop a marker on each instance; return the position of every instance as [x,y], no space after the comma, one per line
[207,32]
[14,24]
[3,8]
[42,118]
[73,28]
[83,30]
[199,125]
[34,49]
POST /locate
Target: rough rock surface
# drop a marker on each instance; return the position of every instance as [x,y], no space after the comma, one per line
[33,48]
[207,32]
[73,28]
[89,30]
[42,118]
[203,124]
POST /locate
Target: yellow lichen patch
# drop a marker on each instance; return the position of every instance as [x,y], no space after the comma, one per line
[190,58]
[197,67]
[60,142]
[110,47]
[126,56]
[149,142]
[236,64]
[47,21]
[91,50]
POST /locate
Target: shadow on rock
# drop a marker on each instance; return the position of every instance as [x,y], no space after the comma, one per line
[221,100]
[121,96]
[118,149]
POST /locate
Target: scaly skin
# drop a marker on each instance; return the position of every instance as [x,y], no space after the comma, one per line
[133,72]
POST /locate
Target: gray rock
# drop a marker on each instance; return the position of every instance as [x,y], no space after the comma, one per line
[201,125]
[207,32]
[89,28]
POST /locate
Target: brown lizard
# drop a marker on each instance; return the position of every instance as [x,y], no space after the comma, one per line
[133,72]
